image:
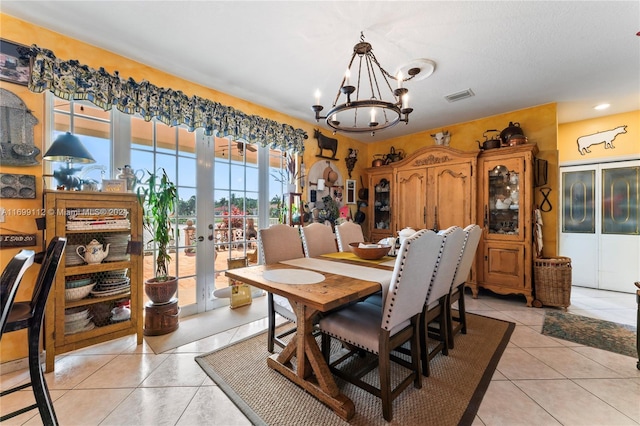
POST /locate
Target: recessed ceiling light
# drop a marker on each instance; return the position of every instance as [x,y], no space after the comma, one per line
[601,107]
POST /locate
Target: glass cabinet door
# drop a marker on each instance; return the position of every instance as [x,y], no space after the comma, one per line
[382,205]
[502,214]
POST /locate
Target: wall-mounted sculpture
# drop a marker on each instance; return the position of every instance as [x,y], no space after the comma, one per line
[325,142]
[16,132]
[351,159]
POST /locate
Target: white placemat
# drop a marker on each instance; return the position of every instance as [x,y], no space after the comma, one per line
[348,270]
[293,276]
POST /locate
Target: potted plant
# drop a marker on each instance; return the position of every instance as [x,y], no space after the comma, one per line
[158,200]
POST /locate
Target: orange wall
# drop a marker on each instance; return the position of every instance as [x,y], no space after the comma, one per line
[538,123]
[624,145]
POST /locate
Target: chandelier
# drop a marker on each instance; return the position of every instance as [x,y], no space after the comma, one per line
[365,109]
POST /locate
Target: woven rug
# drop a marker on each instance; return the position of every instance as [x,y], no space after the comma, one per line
[607,335]
[450,396]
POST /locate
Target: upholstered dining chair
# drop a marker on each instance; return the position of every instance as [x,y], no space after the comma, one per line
[368,327]
[348,232]
[472,238]
[318,239]
[10,280]
[279,242]
[436,308]
[30,315]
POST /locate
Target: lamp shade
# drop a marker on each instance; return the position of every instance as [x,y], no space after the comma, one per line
[68,148]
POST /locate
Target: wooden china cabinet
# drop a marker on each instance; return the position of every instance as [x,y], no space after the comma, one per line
[505,209]
[433,188]
[109,225]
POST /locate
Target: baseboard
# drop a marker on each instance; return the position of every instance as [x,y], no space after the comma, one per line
[15,365]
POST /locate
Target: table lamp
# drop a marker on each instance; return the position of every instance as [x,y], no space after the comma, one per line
[69,149]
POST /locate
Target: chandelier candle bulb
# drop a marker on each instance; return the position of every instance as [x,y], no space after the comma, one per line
[347,75]
[405,101]
[399,78]
[317,97]
[373,115]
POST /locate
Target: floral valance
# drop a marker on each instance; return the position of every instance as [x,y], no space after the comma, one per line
[72,80]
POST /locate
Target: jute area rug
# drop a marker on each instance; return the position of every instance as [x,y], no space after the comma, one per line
[607,335]
[450,396]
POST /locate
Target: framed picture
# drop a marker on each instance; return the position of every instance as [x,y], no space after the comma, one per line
[14,67]
[351,191]
[114,185]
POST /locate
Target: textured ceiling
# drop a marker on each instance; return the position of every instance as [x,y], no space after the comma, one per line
[512,55]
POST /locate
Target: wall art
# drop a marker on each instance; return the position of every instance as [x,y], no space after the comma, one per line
[17,186]
[14,67]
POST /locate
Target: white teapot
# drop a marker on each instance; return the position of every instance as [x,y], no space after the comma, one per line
[93,252]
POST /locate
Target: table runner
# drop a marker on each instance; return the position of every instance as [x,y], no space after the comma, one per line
[385,261]
[353,271]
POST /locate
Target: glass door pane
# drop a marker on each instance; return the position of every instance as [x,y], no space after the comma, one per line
[503,214]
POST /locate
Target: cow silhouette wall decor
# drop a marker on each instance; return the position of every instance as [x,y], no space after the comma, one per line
[325,142]
[606,137]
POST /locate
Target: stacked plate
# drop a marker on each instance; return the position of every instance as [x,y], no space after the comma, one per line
[77,320]
[76,281]
[72,258]
[111,287]
[117,247]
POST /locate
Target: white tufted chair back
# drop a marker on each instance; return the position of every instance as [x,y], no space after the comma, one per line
[318,239]
[472,234]
[348,232]
[416,260]
[280,242]
[448,259]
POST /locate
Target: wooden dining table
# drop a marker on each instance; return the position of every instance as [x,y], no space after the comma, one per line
[310,370]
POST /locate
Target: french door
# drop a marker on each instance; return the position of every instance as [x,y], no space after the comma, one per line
[600,224]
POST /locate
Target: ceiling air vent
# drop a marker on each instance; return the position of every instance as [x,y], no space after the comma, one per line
[458,96]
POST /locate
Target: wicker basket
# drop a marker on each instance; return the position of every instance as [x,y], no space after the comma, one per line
[552,281]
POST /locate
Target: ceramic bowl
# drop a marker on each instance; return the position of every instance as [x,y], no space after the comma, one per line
[71,294]
[370,251]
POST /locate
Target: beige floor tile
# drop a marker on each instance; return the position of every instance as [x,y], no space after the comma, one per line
[152,406]
[621,364]
[208,344]
[124,371]
[571,404]
[13,379]
[176,370]
[210,406]
[622,394]
[73,369]
[505,404]
[572,364]
[525,337]
[21,399]
[88,406]
[516,364]
[526,317]
[249,330]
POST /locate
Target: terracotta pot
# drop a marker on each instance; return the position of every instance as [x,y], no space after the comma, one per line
[160,292]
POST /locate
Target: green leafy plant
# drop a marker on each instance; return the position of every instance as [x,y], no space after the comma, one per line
[158,200]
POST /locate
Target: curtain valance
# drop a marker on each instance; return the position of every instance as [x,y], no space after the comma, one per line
[72,80]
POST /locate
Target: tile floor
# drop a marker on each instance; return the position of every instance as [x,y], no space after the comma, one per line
[539,380]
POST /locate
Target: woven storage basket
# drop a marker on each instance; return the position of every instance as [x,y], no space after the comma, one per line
[553,281]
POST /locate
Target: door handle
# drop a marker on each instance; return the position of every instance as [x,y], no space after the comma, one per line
[200,238]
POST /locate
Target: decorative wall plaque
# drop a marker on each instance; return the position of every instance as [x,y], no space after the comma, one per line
[17,186]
